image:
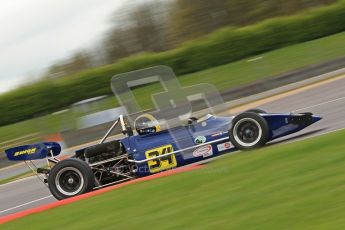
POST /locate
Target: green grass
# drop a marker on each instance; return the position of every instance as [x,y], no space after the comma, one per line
[224,77]
[17,177]
[291,186]
[272,64]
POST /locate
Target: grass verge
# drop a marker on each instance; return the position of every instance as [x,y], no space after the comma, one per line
[17,177]
[290,186]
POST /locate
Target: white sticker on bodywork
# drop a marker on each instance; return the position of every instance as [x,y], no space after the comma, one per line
[200,140]
[224,146]
[204,151]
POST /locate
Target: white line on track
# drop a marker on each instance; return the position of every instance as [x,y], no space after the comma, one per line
[309,137]
[16,181]
[21,205]
[320,104]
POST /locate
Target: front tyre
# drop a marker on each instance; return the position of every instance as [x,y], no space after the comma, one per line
[70,177]
[256,111]
[249,130]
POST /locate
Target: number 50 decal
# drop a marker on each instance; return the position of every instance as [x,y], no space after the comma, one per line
[163,163]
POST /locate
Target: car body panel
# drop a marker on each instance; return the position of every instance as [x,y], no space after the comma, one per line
[192,141]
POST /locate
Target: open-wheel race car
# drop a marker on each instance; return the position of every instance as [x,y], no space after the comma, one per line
[150,150]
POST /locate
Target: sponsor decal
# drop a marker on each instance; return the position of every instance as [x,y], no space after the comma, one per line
[200,140]
[27,151]
[204,151]
[224,146]
[217,134]
[163,163]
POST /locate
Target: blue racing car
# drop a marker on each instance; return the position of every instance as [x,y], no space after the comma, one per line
[149,149]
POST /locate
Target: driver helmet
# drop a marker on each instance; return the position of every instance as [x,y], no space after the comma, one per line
[146,124]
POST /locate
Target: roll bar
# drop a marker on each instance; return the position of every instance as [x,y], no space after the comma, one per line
[124,128]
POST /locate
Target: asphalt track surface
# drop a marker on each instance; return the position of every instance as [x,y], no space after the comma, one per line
[327,101]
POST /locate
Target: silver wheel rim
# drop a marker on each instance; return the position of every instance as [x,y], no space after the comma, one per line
[68,176]
[238,138]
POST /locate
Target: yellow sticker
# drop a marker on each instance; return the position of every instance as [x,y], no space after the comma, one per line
[27,151]
[163,163]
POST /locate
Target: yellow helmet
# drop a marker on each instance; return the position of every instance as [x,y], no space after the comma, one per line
[146,124]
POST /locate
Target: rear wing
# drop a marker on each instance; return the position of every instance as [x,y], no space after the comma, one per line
[33,152]
[30,153]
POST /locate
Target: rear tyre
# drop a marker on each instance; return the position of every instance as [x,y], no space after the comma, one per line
[70,177]
[249,130]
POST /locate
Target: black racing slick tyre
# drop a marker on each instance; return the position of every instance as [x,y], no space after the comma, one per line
[256,111]
[248,131]
[70,177]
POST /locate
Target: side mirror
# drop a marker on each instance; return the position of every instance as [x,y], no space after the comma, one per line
[192,120]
